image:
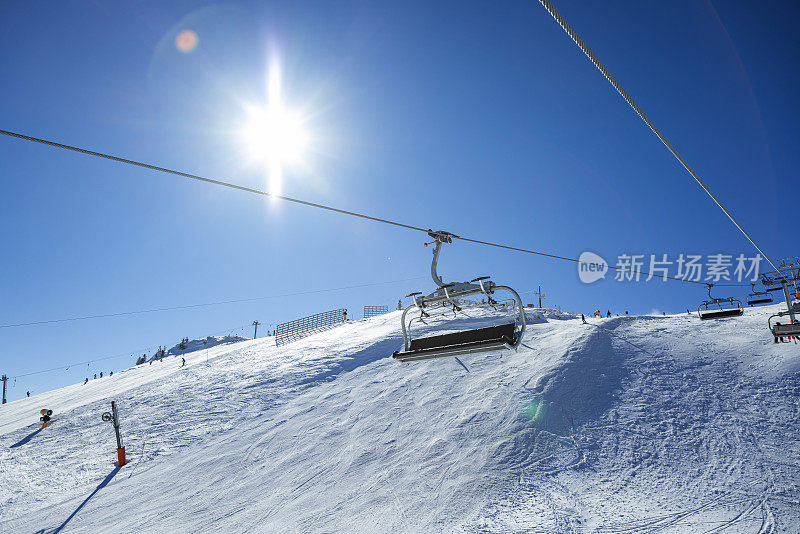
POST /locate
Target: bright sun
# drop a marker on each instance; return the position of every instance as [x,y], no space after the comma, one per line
[275,136]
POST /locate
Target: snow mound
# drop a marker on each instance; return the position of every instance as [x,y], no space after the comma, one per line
[628,424]
[202,344]
[542,315]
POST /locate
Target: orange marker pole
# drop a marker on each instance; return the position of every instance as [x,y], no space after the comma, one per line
[113,418]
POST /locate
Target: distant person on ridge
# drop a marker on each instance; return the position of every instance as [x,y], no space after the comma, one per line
[183,362]
[583,319]
[86,381]
[608,313]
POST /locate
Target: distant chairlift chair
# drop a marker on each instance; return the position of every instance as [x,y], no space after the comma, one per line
[758,297]
[502,337]
[714,308]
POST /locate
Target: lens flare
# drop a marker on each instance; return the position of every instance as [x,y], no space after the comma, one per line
[534,410]
[186,41]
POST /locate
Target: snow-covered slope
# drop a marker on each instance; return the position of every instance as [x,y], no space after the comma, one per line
[640,424]
[201,344]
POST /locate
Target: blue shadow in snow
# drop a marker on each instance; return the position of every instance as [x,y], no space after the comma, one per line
[381,350]
[27,438]
[98,488]
[462,364]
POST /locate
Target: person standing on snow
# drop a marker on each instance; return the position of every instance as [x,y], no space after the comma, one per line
[583,319]
[183,361]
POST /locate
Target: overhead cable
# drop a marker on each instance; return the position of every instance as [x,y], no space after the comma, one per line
[310,204]
[559,18]
[189,306]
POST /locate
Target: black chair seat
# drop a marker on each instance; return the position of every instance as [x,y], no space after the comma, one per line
[466,342]
[758,301]
[718,314]
[786,329]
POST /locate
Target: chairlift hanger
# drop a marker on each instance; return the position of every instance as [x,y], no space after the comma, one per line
[502,337]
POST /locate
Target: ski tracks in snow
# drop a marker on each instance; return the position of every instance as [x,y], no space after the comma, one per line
[672,425]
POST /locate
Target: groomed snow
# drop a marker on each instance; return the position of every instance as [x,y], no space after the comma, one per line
[630,424]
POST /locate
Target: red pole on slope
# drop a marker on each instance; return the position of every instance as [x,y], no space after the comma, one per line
[4,379]
[113,418]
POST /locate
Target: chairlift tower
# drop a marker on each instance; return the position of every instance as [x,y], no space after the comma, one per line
[788,273]
[541,295]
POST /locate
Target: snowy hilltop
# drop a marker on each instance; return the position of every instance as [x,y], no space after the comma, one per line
[190,345]
[187,345]
[625,424]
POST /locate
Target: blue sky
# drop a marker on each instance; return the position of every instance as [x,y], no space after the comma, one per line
[486,122]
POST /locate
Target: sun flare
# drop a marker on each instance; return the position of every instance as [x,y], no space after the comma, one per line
[275,136]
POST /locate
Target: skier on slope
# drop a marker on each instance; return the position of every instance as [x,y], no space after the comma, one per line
[183,361]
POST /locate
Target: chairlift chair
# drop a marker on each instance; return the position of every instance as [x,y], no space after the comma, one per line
[780,331]
[758,297]
[715,308]
[789,330]
[781,281]
[500,337]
